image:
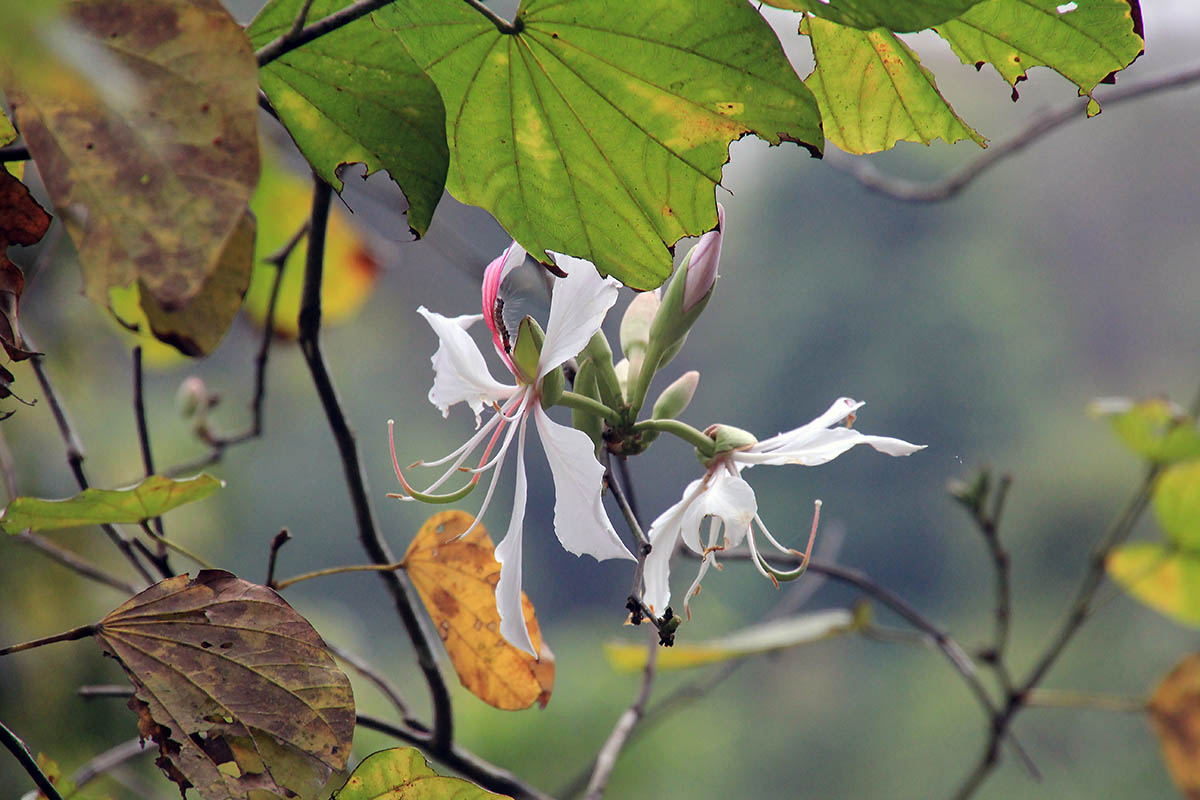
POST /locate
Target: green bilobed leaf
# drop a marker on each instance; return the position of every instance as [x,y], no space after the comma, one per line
[1155,429]
[402,773]
[905,16]
[1177,505]
[766,637]
[356,96]
[601,133]
[237,689]
[873,91]
[152,155]
[151,498]
[1163,577]
[1084,44]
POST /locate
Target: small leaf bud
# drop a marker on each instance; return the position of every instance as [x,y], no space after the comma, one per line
[191,397]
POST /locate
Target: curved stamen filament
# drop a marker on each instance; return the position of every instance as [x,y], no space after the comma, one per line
[487,498]
[425,496]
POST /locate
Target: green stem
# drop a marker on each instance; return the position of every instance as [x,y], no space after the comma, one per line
[583,403]
[81,632]
[681,429]
[14,745]
[321,573]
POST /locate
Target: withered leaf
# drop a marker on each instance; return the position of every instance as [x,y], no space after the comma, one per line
[22,222]
[402,773]
[236,689]
[1175,715]
[151,156]
[456,578]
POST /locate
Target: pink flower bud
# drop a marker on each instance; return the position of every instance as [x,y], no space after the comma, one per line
[702,264]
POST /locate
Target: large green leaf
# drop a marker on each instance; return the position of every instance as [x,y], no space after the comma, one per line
[873,91]
[151,157]
[402,773]
[1177,505]
[601,133]
[1155,429]
[237,690]
[151,498]
[1161,576]
[356,96]
[905,16]
[766,637]
[1085,42]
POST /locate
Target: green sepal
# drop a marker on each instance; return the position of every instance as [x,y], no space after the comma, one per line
[607,384]
[552,387]
[726,438]
[528,349]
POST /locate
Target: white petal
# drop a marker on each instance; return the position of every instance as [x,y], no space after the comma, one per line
[825,446]
[730,499]
[841,408]
[460,373]
[579,518]
[664,534]
[508,553]
[577,308]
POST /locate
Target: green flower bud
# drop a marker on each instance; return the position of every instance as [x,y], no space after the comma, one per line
[607,384]
[676,397]
[528,349]
[585,384]
[621,368]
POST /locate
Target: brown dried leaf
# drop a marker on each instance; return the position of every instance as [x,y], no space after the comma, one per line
[1175,714]
[151,157]
[23,222]
[456,579]
[236,688]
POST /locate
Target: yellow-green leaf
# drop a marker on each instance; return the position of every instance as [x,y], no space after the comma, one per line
[1162,577]
[1177,504]
[7,132]
[237,689]
[765,637]
[402,773]
[1084,41]
[151,498]
[873,91]
[150,157]
[456,578]
[1175,714]
[905,16]
[599,131]
[1155,429]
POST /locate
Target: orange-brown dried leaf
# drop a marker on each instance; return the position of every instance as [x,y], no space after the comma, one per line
[456,578]
[237,689]
[22,222]
[1175,714]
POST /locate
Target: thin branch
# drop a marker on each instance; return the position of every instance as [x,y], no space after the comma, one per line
[14,152]
[381,682]
[368,532]
[279,586]
[462,761]
[606,759]
[281,538]
[14,745]
[292,39]
[75,454]
[502,25]
[161,561]
[73,562]
[108,760]
[82,632]
[218,444]
[1041,124]
[1057,698]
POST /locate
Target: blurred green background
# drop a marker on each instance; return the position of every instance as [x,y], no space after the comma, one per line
[980,327]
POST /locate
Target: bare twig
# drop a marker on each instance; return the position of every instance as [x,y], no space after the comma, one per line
[606,759]
[161,561]
[281,538]
[1041,124]
[14,152]
[217,443]
[279,586]
[368,532]
[381,682]
[502,25]
[1057,698]
[73,562]
[14,745]
[293,38]
[104,762]
[75,454]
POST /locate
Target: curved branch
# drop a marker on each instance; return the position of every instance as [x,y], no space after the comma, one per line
[294,38]
[1041,124]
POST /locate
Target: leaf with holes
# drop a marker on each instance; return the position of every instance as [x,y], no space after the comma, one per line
[1155,429]
[237,690]
[903,17]
[873,91]
[765,637]
[150,155]
[151,498]
[602,134]
[1084,41]
[1175,714]
[456,578]
[402,773]
[355,96]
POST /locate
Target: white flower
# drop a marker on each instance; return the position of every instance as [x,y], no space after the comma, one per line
[728,502]
[577,308]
